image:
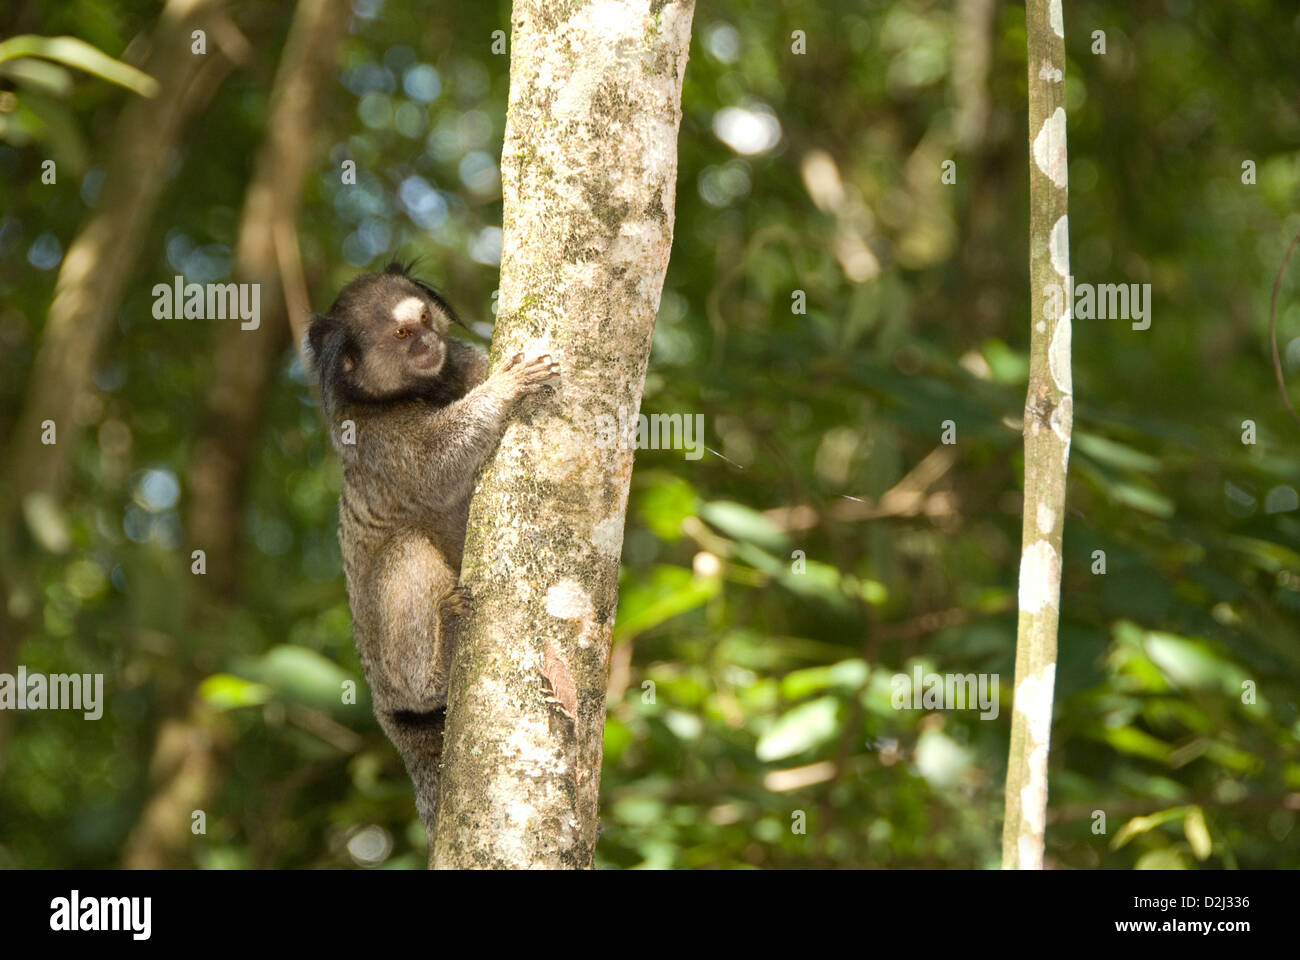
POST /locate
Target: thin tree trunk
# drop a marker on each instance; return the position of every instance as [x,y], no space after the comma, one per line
[184,771]
[244,360]
[589,170]
[89,289]
[1049,415]
[975,28]
[98,265]
[982,260]
[229,430]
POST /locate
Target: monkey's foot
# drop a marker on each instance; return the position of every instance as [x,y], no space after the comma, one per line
[458,601]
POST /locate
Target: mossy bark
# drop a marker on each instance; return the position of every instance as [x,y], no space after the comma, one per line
[589,171]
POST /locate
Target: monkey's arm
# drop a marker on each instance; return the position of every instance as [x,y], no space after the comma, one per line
[428,460]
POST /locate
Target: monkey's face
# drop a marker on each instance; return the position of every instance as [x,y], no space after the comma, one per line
[384,338]
[403,337]
[399,332]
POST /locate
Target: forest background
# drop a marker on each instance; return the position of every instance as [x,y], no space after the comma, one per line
[770,590]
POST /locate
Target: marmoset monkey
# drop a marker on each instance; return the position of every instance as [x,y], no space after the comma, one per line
[412,414]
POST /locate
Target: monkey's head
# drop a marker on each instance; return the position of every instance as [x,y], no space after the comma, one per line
[384,339]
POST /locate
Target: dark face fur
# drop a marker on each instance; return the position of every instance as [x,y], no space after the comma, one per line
[384,339]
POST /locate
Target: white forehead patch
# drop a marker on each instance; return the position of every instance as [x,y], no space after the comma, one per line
[408,310]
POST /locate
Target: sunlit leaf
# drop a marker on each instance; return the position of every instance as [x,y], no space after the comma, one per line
[744,523]
[77,53]
[299,674]
[806,726]
[1198,833]
[225,691]
[1140,825]
[1166,858]
[665,504]
[666,593]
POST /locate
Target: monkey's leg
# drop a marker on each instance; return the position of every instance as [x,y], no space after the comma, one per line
[421,606]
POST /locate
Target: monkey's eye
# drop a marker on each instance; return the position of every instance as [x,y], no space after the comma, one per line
[424,316]
[402,333]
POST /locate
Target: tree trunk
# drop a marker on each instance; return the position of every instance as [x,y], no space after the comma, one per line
[229,430]
[244,360]
[1049,411]
[90,287]
[184,773]
[589,172]
[99,261]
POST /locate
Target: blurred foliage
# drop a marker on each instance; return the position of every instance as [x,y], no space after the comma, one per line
[746,697]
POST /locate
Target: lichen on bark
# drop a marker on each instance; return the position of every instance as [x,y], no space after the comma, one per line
[1049,409]
[589,169]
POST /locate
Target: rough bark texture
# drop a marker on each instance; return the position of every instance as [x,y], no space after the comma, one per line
[589,171]
[91,283]
[244,360]
[1048,421]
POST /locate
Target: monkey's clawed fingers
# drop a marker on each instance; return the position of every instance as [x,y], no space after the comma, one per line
[530,376]
[541,369]
[457,600]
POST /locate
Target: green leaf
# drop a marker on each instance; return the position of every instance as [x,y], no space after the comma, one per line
[1166,858]
[225,691]
[845,675]
[1007,365]
[46,522]
[744,523]
[1142,498]
[1140,825]
[1192,664]
[818,581]
[1198,833]
[49,77]
[806,726]
[299,674]
[666,504]
[667,592]
[56,125]
[1138,743]
[77,53]
[1114,454]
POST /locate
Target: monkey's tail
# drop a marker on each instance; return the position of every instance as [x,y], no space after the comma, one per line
[418,737]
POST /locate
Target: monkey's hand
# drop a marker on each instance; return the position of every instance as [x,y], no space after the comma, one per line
[521,377]
[425,458]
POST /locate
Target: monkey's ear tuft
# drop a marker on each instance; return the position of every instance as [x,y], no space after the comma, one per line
[317,333]
[397,268]
[438,298]
[334,353]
